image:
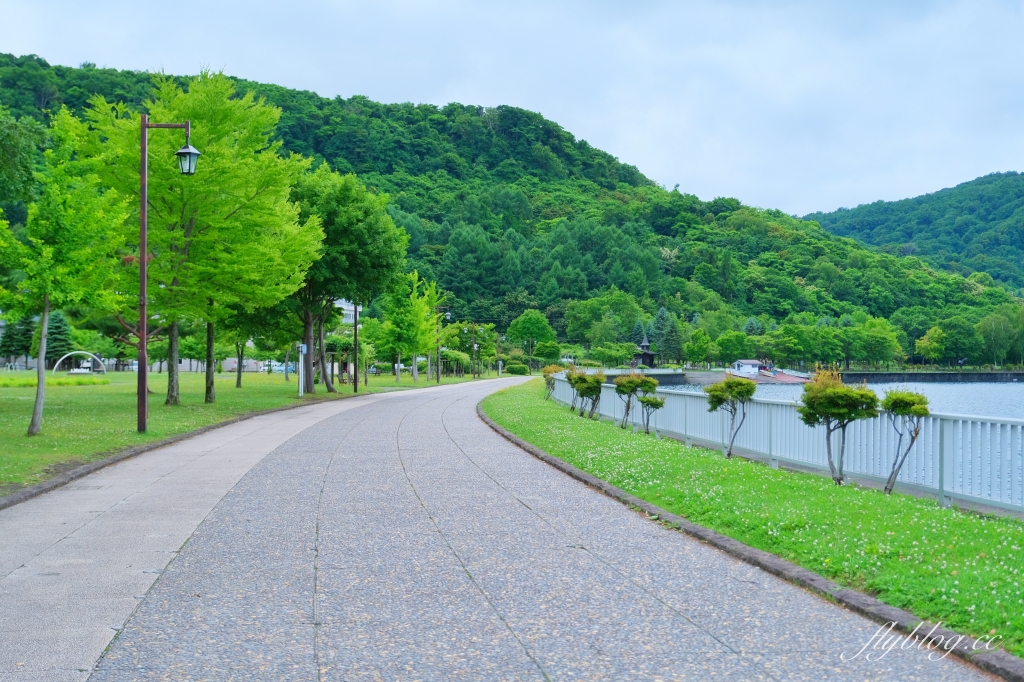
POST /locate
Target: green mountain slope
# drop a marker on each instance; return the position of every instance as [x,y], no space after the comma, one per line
[975,226]
[508,211]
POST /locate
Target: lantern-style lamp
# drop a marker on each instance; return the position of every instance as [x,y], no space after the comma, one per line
[187,157]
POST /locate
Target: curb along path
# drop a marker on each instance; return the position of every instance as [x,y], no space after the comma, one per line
[407,540]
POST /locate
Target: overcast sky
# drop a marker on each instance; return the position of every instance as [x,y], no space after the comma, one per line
[801,106]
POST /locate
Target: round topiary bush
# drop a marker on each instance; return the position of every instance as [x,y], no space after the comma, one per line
[519,370]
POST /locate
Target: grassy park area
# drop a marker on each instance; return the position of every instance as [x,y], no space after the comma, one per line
[941,564]
[86,421]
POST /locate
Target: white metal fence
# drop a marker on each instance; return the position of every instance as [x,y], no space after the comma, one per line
[957,457]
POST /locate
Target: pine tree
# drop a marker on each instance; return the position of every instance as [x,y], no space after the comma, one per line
[753,327]
[637,335]
[59,341]
[659,328]
[548,292]
[17,338]
[510,272]
[672,345]
[24,330]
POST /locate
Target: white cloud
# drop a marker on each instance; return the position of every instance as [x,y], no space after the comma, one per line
[800,106]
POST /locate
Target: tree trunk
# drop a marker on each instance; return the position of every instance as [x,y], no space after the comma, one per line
[842,452]
[415,368]
[287,357]
[732,430]
[36,425]
[828,451]
[913,431]
[211,364]
[743,418]
[240,358]
[326,376]
[173,384]
[308,338]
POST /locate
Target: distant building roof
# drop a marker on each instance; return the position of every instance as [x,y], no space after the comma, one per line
[747,362]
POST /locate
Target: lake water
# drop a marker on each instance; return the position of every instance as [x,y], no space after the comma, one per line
[987,400]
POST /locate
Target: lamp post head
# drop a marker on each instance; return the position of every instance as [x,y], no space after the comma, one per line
[187,157]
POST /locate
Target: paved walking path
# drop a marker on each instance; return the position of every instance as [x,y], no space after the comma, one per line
[401,539]
[76,562]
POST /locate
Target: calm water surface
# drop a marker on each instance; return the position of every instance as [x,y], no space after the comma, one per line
[987,400]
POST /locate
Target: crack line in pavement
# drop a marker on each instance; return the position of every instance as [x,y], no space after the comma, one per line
[177,552]
[469,575]
[585,548]
[316,541]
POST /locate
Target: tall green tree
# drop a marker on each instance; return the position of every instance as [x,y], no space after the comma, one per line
[409,323]
[932,346]
[73,232]
[20,140]
[698,347]
[663,320]
[17,338]
[637,335]
[672,344]
[732,346]
[997,335]
[530,328]
[362,251]
[962,340]
[230,236]
[59,342]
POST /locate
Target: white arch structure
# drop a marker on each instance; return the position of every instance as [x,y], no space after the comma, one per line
[79,352]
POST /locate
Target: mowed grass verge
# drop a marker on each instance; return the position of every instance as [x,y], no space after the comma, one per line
[940,564]
[82,423]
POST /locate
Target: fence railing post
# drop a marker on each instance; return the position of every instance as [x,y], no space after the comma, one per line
[946,444]
[686,422]
[772,462]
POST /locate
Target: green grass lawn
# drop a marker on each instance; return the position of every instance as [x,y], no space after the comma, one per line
[940,564]
[82,423]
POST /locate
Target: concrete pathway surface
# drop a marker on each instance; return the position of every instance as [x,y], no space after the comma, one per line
[76,562]
[402,539]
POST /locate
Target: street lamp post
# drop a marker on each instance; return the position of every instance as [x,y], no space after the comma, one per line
[474,356]
[355,347]
[187,157]
[437,338]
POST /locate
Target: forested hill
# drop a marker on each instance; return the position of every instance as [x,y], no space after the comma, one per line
[975,226]
[509,211]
